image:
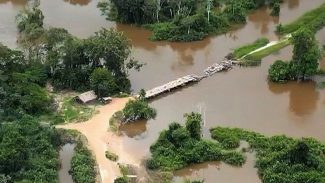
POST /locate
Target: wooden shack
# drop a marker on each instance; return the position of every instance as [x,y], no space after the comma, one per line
[86,97]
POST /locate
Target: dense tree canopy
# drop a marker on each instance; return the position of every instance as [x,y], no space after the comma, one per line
[306,53]
[182,20]
[69,61]
[20,89]
[279,159]
[28,151]
[305,60]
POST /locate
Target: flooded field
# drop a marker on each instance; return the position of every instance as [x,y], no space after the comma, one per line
[241,97]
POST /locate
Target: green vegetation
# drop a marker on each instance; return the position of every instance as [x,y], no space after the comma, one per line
[280,159]
[321,85]
[121,180]
[102,82]
[279,71]
[21,84]
[244,50]
[136,110]
[184,20]
[82,165]
[306,55]
[111,156]
[28,151]
[181,146]
[116,120]
[73,63]
[313,20]
[269,50]
[276,9]
[71,111]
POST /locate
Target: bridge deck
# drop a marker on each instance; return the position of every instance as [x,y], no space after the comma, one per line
[171,85]
[217,67]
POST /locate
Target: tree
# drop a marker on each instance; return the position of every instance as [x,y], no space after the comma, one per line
[142,94]
[102,82]
[193,125]
[275,9]
[279,71]
[136,110]
[306,53]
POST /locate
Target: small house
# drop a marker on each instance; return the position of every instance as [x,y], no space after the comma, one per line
[86,97]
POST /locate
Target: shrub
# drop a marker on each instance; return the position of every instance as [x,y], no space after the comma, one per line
[181,146]
[279,71]
[111,156]
[136,110]
[280,158]
[82,165]
[121,180]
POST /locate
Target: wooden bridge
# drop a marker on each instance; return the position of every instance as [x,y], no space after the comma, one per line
[185,80]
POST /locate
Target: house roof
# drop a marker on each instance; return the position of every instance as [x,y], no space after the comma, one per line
[87,96]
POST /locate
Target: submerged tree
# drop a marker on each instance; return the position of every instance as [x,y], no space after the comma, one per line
[306,53]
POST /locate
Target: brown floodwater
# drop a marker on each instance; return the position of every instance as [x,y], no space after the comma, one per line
[66,154]
[241,97]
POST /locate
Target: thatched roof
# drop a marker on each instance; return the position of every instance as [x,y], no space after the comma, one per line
[87,96]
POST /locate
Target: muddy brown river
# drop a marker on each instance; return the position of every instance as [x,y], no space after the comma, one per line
[241,97]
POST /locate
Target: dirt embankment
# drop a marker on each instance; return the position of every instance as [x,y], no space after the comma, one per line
[100,140]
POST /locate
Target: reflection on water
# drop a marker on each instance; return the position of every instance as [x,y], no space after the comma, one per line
[212,172]
[14,2]
[66,154]
[262,19]
[292,4]
[78,2]
[303,97]
[134,130]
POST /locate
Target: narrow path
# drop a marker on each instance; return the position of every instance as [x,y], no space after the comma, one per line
[272,43]
[100,139]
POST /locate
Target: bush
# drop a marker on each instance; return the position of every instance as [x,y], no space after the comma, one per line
[136,110]
[111,156]
[83,165]
[121,180]
[280,158]
[103,82]
[177,148]
[279,71]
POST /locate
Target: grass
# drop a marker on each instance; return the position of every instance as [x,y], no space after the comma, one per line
[314,19]
[115,121]
[257,56]
[72,111]
[111,156]
[244,50]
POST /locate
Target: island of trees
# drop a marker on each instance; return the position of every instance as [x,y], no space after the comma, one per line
[184,20]
[279,159]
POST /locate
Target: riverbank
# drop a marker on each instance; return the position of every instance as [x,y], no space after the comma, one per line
[100,140]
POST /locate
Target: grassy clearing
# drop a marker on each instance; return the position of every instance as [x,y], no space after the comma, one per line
[314,19]
[257,56]
[72,111]
[244,50]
